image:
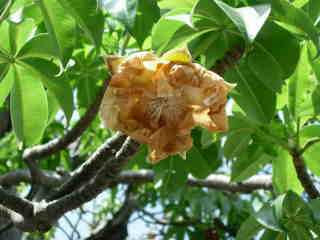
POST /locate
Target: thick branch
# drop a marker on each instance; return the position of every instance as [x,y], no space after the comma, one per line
[213,181]
[87,170]
[16,204]
[47,179]
[105,178]
[61,143]
[303,175]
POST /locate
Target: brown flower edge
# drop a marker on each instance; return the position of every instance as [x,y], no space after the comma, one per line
[157,101]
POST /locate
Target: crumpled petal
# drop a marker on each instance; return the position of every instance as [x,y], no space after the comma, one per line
[157,101]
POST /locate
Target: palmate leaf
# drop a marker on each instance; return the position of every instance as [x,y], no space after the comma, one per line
[28,106]
[59,87]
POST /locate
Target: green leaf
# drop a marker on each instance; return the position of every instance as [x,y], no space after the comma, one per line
[271,76]
[249,229]
[311,157]
[20,33]
[299,103]
[40,46]
[28,106]
[295,216]
[53,107]
[165,28]
[284,176]
[252,96]
[198,165]
[248,164]
[249,20]
[287,55]
[60,26]
[237,142]
[315,207]
[314,10]
[59,87]
[173,173]
[270,235]
[172,4]
[138,16]
[88,16]
[316,100]
[287,13]
[6,83]
[209,9]
[267,218]
[310,131]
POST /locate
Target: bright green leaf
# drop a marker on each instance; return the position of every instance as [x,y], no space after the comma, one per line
[60,26]
[28,106]
[6,83]
[40,46]
[284,176]
[59,87]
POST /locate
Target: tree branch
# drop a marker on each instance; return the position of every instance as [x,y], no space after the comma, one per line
[16,204]
[87,170]
[61,143]
[213,181]
[105,178]
[303,175]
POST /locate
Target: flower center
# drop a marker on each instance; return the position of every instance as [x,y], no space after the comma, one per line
[165,110]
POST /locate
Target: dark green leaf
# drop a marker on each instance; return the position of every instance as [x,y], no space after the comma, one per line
[248,164]
[249,229]
[253,97]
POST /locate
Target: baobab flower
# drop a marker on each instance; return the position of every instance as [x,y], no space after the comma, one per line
[157,101]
